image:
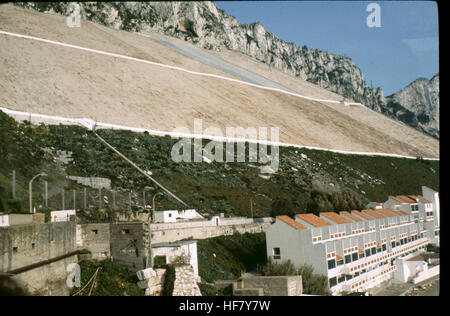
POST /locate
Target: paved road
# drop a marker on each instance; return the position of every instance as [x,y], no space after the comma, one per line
[208,59]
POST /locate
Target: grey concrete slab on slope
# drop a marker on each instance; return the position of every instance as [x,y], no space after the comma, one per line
[211,60]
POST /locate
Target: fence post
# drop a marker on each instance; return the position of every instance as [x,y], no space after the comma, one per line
[14,184]
[100,198]
[84,198]
[143,194]
[46,193]
[129,201]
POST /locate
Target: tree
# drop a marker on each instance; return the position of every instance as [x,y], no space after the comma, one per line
[282,206]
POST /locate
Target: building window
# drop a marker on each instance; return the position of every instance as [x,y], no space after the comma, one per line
[393,244]
[361,255]
[333,281]
[367,252]
[340,262]
[341,279]
[95,231]
[383,246]
[15,249]
[33,245]
[354,256]
[125,231]
[276,253]
[374,250]
[348,259]
[378,249]
[159,261]
[331,264]
[170,214]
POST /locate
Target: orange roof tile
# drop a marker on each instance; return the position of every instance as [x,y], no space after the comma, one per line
[374,213]
[335,217]
[291,222]
[387,212]
[353,217]
[406,199]
[360,251]
[338,257]
[422,199]
[376,203]
[313,220]
[362,215]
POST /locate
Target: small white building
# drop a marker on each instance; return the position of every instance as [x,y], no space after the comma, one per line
[62,216]
[172,216]
[12,219]
[166,253]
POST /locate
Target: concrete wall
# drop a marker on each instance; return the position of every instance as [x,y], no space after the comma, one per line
[96,238]
[129,244]
[38,255]
[424,275]
[28,244]
[270,285]
[47,280]
[207,229]
[15,219]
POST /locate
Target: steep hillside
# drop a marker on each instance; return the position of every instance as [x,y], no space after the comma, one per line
[49,79]
[417,105]
[207,26]
[305,179]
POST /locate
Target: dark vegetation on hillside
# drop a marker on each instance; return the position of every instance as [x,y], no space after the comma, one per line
[227,257]
[307,180]
[111,280]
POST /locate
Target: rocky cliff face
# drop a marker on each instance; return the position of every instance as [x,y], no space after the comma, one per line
[209,27]
[416,105]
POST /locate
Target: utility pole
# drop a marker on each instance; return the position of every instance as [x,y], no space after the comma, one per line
[251,206]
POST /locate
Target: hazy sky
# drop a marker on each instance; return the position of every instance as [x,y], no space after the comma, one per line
[403,49]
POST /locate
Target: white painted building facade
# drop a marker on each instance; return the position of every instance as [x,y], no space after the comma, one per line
[62,216]
[356,250]
[173,216]
[171,251]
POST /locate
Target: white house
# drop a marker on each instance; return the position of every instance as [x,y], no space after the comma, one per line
[172,216]
[62,216]
[165,253]
[356,250]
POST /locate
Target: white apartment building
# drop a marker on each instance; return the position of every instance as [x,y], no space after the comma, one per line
[356,250]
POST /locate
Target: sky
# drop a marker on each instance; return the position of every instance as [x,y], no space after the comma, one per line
[405,46]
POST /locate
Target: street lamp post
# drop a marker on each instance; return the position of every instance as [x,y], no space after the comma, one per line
[30,189]
[159,193]
[150,253]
